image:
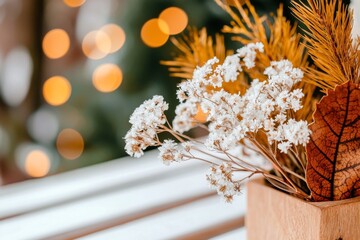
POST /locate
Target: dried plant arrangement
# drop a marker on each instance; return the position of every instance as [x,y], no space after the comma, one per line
[261,97]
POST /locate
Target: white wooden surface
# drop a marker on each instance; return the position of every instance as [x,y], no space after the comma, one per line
[121,199]
[175,222]
[235,234]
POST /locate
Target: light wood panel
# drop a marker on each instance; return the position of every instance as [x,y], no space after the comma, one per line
[272,214]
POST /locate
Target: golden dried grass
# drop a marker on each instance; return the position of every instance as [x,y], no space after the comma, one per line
[328,36]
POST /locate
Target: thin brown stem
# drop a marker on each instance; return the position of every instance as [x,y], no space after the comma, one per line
[277,165]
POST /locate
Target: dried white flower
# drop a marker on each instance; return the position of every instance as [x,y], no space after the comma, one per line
[296,132]
[187,146]
[282,73]
[185,113]
[169,152]
[181,95]
[201,73]
[230,68]
[221,179]
[150,114]
[231,116]
[264,108]
[248,53]
[284,146]
[145,121]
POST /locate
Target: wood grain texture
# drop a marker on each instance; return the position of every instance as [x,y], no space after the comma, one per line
[272,214]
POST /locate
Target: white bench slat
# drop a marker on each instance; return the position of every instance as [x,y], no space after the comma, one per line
[35,194]
[92,210]
[96,171]
[239,234]
[176,222]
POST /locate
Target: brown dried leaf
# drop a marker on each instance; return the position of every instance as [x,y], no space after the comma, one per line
[333,169]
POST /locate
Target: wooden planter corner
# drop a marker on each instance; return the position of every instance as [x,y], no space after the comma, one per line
[272,214]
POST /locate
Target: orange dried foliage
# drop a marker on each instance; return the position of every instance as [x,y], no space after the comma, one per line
[200,115]
[333,170]
[196,48]
[328,36]
[233,2]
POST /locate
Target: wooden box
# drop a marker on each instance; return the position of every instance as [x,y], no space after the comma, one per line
[272,214]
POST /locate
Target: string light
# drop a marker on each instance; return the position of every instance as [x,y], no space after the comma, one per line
[176,19]
[70,144]
[103,42]
[96,45]
[99,43]
[56,43]
[56,90]
[116,35]
[15,81]
[107,77]
[155,33]
[43,125]
[74,3]
[37,163]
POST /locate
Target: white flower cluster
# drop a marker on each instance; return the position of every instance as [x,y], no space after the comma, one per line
[170,151]
[145,121]
[220,179]
[232,65]
[223,110]
[192,92]
[264,106]
[248,53]
[292,132]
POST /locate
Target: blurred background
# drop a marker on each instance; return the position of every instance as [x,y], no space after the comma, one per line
[72,72]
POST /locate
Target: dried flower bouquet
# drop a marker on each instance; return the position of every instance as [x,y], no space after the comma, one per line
[261,97]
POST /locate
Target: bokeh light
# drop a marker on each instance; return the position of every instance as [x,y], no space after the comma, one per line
[96,45]
[37,163]
[116,34]
[176,19]
[103,42]
[16,72]
[93,15]
[154,32]
[107,77]
[43,125]
[74,3]
[56,43]
[70,144]
[56,90]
